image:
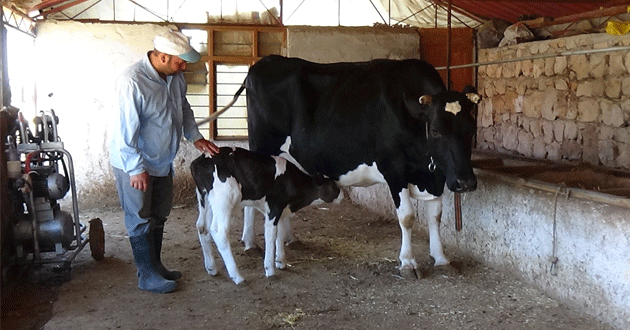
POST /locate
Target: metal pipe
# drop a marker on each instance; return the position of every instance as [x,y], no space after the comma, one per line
[42,115]
[552,188]
[536,57]
[54,125]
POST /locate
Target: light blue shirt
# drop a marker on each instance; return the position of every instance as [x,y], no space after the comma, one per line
[152,115]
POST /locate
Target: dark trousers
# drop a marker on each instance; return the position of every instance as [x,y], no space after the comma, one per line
[144,210]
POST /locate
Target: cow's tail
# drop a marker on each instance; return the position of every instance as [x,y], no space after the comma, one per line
[215,115]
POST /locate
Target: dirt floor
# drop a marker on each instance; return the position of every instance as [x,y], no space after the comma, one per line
[345,278]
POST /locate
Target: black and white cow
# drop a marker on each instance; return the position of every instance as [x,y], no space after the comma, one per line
[382,121]
[236,177]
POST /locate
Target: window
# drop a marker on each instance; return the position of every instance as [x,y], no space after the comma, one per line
[226,54]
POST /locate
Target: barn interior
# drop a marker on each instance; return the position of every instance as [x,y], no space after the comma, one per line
[552,149]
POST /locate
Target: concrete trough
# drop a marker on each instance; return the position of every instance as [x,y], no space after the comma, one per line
[571,243]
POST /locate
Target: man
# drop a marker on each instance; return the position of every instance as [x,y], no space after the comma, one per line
[153,113]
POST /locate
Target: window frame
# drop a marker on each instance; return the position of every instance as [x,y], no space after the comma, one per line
[212,60]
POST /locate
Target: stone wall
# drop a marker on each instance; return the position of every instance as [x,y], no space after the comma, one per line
[574,107]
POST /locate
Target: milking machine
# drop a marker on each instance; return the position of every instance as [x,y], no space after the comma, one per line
[40,173]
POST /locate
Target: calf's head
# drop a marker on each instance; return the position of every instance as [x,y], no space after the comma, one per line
[326,190]
[448,127]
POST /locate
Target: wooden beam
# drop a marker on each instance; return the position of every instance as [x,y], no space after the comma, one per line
[612,11]
[46,4]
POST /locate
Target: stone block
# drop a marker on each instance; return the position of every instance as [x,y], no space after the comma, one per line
[622,135]
[560,65]
[488,88]
[584,88]
[547,131]
[539,149]
[613,87]
[572,107]
[625,86]
[558,130]
[509,70]
[525,143]
[535,126]
[608,152]
[570,130]
[560,108]
[527,68]
[561,84]
[623,160]
[612,114]
[532,104]
[626,61]
[518,104]
[549,64]
[553,151]
[597,65]
[538,67]
[485,109]
[571,150]
[579,65]
[615,64]
[606,133]
[543,47]
[522,85]
[588,111]
[488,134]
[590,146]
[510,137]
[499,86]
[550,97]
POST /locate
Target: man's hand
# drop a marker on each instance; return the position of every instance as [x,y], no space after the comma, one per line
[206,146]
[140,181]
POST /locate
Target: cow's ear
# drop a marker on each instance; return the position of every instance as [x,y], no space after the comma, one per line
[417,107]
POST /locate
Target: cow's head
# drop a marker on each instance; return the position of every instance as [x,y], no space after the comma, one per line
[448,126]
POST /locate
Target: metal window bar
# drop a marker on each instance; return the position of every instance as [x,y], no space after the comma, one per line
[233,124]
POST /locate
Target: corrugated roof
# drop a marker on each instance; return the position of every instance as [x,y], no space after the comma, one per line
[511,11]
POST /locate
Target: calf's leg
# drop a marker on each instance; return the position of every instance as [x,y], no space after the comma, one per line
[271,235]
[220,230]
[203,231]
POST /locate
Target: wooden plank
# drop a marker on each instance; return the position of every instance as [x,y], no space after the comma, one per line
[612,11]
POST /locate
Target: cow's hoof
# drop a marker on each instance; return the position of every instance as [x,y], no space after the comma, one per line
[410,274]
[239,281]
[254,252]
[296,245]
[212,271]
[281,265]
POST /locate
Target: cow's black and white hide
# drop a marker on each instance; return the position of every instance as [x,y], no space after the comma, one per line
[234,178]
[382,121]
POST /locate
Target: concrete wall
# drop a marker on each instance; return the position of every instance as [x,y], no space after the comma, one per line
[351,44]
[510,227]
[80,62]
[573,107]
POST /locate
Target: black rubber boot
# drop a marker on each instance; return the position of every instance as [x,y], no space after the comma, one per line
[158,234]
[149,278]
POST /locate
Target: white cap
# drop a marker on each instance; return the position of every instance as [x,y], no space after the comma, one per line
[175,43]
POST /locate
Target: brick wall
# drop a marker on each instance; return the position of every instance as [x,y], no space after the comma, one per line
[574,107]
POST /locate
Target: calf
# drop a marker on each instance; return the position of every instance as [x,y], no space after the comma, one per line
[234,178]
